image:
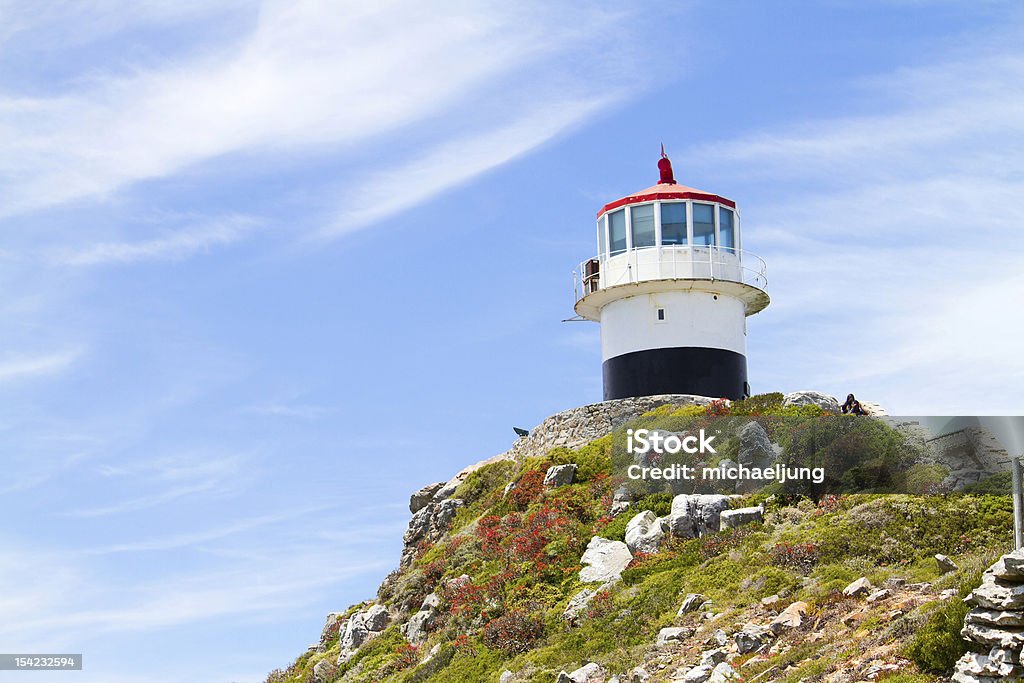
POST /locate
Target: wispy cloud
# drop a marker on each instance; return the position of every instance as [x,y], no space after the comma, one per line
[896,254]
[174,246]
[22,366]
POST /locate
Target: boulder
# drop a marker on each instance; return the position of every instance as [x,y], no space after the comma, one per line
[324,671]
[1013,565]
[644,533]
[755,451]
[673,634]
[332,627]
[730,519]
[713,658]
[560,475]
[722,673]
[691,602]
[419,500]
[376,618]
[752,638]
[604,560]
[858,588]
[880,595]
[791,617]
[419,625]
[946,565]
[506,676]
[698,674]
[428,524]
[695,515]
[812,398]
[588,673]
[639,675]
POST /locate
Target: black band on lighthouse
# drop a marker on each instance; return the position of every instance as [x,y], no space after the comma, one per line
[684,370]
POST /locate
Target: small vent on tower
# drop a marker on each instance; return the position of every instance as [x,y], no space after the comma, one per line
[661,314]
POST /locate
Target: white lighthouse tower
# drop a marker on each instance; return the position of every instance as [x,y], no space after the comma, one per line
[672,289]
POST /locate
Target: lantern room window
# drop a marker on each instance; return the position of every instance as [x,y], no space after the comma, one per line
[726,228]
[673,224]
[617,231]
[602,240]
[704,225]
[641,220]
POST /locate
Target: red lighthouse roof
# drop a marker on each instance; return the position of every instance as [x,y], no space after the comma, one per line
[667,188]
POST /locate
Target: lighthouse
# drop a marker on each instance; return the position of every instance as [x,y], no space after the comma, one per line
[671,287]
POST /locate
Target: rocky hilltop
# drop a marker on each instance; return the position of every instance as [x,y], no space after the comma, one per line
[536,565]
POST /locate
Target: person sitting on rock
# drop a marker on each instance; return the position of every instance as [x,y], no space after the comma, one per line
[853,406]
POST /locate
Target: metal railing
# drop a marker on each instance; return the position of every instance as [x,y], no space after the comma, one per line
[670,262]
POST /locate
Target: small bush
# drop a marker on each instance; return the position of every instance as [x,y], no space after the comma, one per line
[514,633]
[937,644]
[527,489]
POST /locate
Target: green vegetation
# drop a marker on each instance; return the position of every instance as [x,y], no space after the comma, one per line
[520,553]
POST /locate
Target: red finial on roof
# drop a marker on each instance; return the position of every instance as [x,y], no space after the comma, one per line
[665,168]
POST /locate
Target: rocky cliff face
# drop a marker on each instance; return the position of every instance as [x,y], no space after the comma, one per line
[529,567]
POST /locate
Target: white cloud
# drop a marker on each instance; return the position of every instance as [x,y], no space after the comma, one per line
[893,251]
[22,366]
[174,246]
[310,75]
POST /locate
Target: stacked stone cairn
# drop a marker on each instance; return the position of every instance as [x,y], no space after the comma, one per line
[995,625]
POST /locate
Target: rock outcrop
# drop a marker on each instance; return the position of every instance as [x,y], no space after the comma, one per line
[644,533]
[812,398]
[696,515]
[604,561]
[995,625]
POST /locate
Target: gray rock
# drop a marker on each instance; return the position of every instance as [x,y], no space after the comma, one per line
[752,638]
[644,533]
[755,451]
[691,603]
[419,626]
[720,638]
[428,524]
[604,560]
[808,398]
[990,636]
[946,565]
[639,675]
[332,627]
[789,618]
[419,500]
[880,595]
[1013,565]
[323,671]
[998,595]
[560,475]
[984,665]
[506,676]
[376,618]
[698,674]
[993,617]
[432,601]
[712,658]
[730,519]
[695,515]
[858,588]
[723,673]
[588,673]
[673,634]
[578,603]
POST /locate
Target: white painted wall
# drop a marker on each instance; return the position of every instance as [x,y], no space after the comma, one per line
[691,319]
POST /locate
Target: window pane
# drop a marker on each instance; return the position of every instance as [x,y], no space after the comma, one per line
[600,239]
[673,223]
[617,231]
[704,224]
[726,234]
[642,219]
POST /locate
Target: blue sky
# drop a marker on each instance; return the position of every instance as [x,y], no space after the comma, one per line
[269,267]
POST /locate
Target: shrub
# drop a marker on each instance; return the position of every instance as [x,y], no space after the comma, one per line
[794,555]
[527,489]
[514,633]
[937,644]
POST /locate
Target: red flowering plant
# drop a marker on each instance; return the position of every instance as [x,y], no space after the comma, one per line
[795,555]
